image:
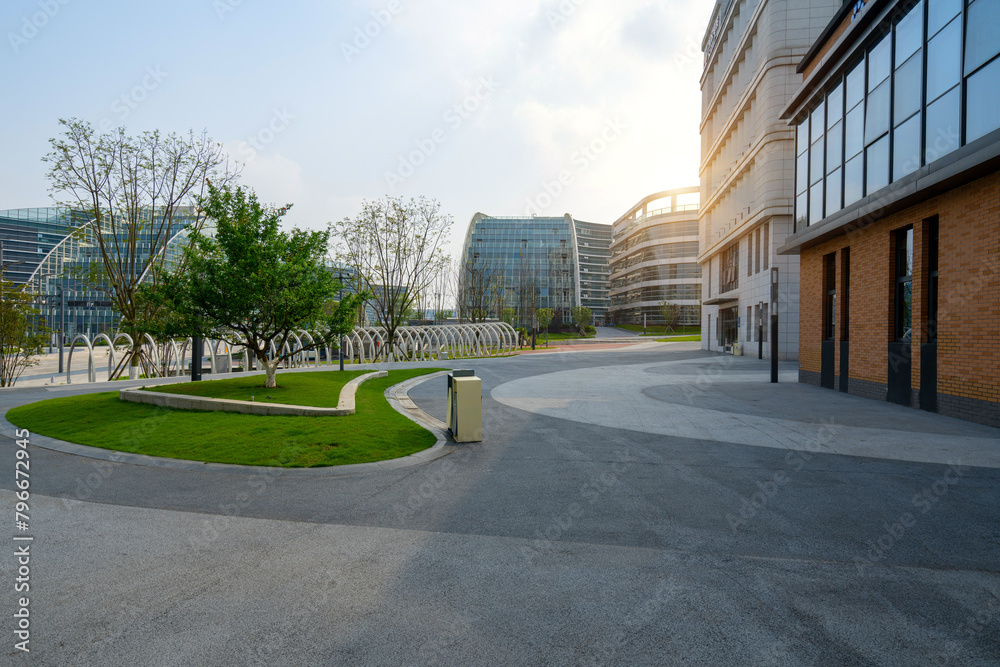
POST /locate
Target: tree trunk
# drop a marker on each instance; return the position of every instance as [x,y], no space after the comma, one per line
[270,368]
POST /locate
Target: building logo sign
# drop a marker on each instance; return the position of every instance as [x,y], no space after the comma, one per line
[859,7]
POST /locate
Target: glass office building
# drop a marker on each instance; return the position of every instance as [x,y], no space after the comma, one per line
[655,259]
[54,252]
[923,87]
[536,262]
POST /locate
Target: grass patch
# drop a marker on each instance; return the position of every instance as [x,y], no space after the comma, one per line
[679,339]
[375,433]
[659,329]
[320,389]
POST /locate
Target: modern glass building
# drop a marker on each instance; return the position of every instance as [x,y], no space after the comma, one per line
[897,208]
[654,259]
[54,252]
[535,262]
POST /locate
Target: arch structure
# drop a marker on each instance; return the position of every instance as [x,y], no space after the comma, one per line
[306,349]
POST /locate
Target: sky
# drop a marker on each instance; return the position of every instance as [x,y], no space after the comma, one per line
[519,107]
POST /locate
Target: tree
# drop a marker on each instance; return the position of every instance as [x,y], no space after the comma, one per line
[671,315]
[582,316]
[132,189]
[477,288]
[21,336]
[396,250]
[545,316]
[509,315]
[254,284]
[442,315]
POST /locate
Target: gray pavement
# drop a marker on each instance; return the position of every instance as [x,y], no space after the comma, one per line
[597,526]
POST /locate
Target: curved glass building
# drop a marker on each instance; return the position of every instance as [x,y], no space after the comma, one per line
[56,253]
[530,263]
[654,259]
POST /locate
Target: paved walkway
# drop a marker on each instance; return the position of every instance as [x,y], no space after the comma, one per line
[580,534]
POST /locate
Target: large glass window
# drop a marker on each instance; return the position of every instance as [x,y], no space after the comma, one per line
[877,116]
[944,60]
[982,109]
[878,165]
[982,38]
[854,174]
[906,90]
[816,203]
[833,193]
[910,33]
[906,148]
[904,104]
[879,63]
[940,12]
[904,285]
[854,137]
[830,303]
[943,125]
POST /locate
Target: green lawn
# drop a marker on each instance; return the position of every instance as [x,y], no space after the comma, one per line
[679,339]
[319,389]
[375,433]
[559,336]
[657,329]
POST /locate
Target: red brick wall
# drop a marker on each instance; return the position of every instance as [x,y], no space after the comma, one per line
[969,286]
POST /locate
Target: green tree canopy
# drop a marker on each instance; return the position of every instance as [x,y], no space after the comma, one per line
[582,316]
[252,283]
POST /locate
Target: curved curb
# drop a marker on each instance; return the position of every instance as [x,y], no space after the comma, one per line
[345,404]
[437,450]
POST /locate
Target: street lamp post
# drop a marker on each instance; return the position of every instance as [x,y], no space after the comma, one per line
[340,347]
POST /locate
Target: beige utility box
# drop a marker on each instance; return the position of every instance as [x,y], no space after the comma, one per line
[465,406]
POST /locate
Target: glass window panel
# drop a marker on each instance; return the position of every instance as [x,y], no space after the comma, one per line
[833,193]
[982,111]
[816,203]
[853,180]
[879,63]
[835,105]
[802,137]
[816,161]
[877,116]
[877,165]
[856,85]
[801,173]
[906,148]
[854,139]
[817,123]
[910,33]
[906,90]
[939,12]
[944,60]
[834,145]
[982,39]
[942,125]
[801,207]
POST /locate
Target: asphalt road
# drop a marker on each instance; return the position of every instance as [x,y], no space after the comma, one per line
[556,541]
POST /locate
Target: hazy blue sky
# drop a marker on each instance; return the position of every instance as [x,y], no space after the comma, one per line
[477,104]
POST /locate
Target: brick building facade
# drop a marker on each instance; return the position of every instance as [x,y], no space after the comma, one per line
[900,262]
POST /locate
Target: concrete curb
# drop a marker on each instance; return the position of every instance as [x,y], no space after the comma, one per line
[345,404]
[437,450]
